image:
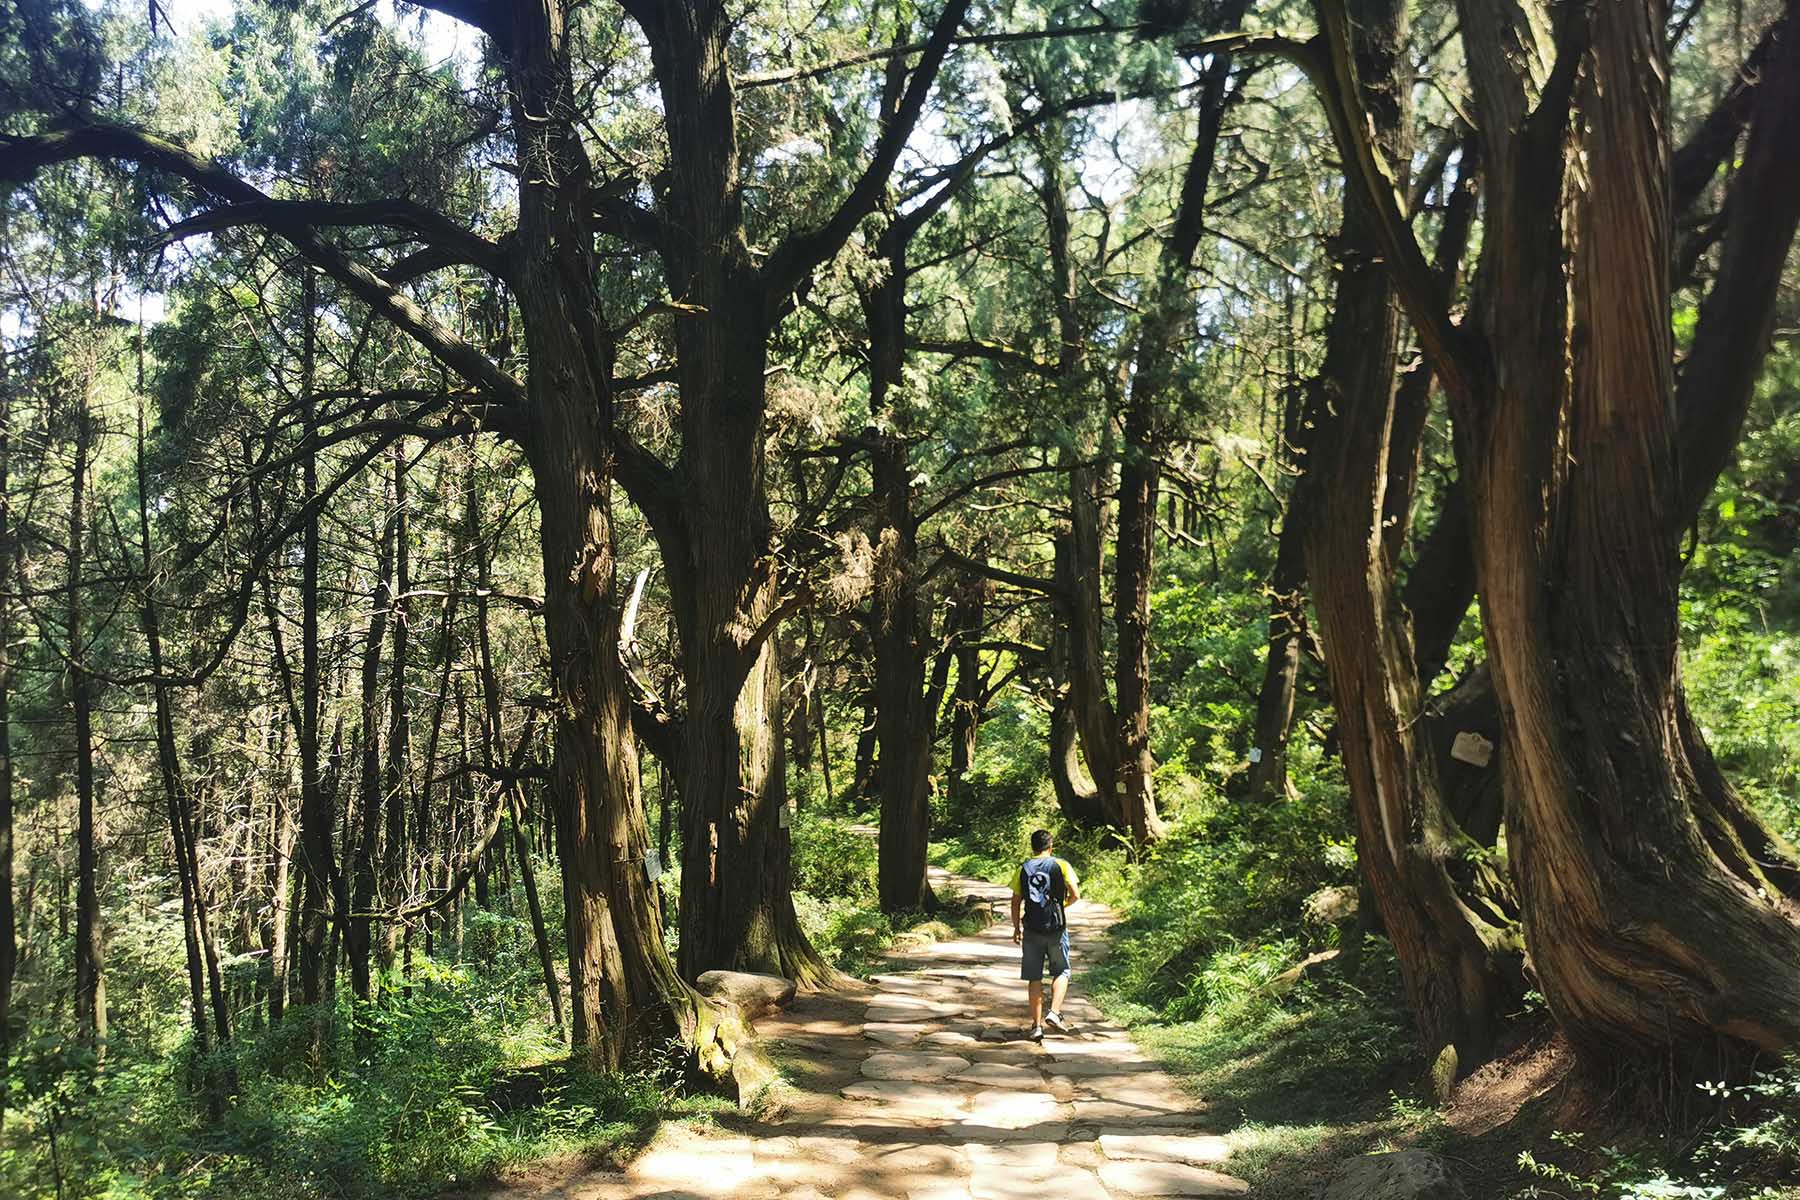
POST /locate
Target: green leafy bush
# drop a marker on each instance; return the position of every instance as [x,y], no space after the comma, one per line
[411,1098]
[833,860]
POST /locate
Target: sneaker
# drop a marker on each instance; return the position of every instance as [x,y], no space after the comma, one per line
[1036,1034]
[1056,1022]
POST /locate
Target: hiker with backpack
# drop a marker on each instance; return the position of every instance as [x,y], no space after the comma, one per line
[1042,887]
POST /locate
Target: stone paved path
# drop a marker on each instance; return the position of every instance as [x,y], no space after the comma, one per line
[922,1086]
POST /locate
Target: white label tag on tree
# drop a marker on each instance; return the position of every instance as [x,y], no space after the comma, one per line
[652,866]
[1472,748]
[1255,755]
[785,817]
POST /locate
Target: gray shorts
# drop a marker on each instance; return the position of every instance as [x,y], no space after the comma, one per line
[1045,948]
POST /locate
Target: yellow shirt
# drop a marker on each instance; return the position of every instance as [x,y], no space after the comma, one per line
[1071,882]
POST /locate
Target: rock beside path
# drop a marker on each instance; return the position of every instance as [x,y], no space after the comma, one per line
[1402,1175]
[753,995]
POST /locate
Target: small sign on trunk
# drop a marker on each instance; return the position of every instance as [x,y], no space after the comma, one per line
[1470,747]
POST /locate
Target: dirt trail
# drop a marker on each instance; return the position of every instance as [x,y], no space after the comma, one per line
[922,1086]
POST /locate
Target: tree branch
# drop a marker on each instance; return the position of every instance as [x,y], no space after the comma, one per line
[429,226]
[22,157]
[864,57]
[801,253]
[976,348]
[975,566]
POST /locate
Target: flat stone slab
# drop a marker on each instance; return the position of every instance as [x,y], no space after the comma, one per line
[943,1008]
[1149,1096]
[813,1148]
[950,1037]
[1114,1049]
[1168,1179]
[913,1096]
[888,1033]
[1000,1075]
[896,1065]
[1114,1112]
[1025,1158]
[916,1156]
[948,1190]
[1004,1033]
[902,982]
[713,1163]
[1096,1064]
[881,1014]
[1196,1150]
[1062,1183]
[1014,1110]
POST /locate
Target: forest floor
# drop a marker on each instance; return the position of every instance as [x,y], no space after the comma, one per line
[923,1085]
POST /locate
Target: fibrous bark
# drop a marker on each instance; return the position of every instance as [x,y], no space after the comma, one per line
[1445,910]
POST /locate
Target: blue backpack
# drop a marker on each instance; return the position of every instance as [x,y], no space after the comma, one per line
[1042,888]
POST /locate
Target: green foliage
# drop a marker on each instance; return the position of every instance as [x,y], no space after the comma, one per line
[835,865]
[1740,613]
[833,860]
[1210,641]
[1215,908]
[1006,792]
[417,1089]
[1751,1152]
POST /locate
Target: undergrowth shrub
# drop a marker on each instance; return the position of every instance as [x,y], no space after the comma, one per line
[409,1098]
[1214,911]
[833,861]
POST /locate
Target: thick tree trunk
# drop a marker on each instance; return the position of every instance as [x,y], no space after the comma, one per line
[1134,562]
[738,912]
[1444,911]
[1079,571]
[1653,930]
[905,724]
[1151,395]
[626,1000]
[1079,794]
[90,969]
[1083,718]
[714,526]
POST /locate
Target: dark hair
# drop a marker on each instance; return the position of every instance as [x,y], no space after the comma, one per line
[1040,841]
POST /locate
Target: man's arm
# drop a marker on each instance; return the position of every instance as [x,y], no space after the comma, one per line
[1071,884]
[1017,934]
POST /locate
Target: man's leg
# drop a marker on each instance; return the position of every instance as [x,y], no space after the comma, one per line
[1060,973]
[1036,990]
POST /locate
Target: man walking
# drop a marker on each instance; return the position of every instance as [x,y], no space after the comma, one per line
[1042,887]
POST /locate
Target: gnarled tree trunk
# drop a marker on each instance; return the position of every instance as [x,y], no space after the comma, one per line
[1653,927]
[1446,913]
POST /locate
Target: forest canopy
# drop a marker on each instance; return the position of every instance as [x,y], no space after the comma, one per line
[509,508]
